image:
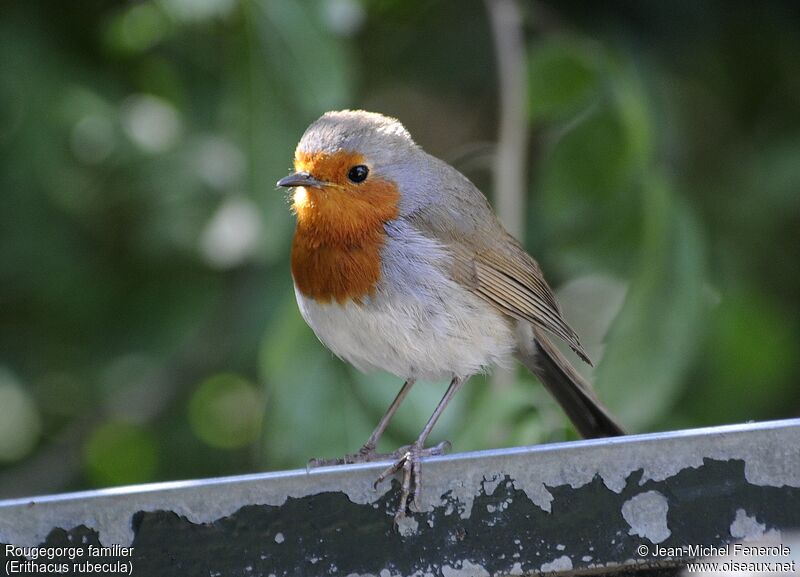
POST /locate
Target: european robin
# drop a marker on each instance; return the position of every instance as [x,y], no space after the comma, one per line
[400,264]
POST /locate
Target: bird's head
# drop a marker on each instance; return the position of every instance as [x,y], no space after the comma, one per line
[354,168]
[351,176]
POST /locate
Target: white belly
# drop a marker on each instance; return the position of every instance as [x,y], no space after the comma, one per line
[419,323]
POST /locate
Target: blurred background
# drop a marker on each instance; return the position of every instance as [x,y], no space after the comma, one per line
[148,329]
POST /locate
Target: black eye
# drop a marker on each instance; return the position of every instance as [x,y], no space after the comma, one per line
[358,173]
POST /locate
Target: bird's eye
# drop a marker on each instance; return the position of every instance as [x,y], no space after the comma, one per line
[358,173]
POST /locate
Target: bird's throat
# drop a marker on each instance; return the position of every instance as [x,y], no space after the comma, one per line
[336,250]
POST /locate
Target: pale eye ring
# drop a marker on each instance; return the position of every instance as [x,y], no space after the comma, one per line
[358,173]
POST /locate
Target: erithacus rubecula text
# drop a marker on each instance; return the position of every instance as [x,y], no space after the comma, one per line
[399,264]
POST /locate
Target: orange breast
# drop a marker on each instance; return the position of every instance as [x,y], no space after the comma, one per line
[337,243]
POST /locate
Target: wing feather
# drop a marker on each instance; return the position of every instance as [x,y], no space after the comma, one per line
[495,266]
[530,301]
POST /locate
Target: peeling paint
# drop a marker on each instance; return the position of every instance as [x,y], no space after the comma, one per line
[467,569]
[489,485]
[657,465]
[646,513]
[563,563]
[536,481]
[746,527]
[408,526]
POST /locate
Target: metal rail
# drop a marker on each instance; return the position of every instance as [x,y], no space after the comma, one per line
[588,507]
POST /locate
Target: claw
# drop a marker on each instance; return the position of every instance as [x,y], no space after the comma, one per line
[405,491]
[366,454]
[391,470]
[410,462]
[416,472]
[442,447]
[407,459]
[316,462]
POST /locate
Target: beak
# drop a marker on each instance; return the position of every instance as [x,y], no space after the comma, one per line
[300,179]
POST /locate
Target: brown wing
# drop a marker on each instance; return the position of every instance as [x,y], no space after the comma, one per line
[513,282]
[495,266]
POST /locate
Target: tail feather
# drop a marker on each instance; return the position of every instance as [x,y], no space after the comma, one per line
[573,393]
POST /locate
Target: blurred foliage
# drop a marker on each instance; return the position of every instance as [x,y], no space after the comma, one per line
[118,452]
[148,329]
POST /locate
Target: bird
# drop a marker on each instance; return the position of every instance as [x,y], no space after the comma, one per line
[400,264]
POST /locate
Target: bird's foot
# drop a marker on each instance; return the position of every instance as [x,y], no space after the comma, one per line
[409,460]
[366,454]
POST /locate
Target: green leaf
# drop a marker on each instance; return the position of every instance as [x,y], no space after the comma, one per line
[226,411]
[503,417]
[307,59]
[20,420]
[120,453]
[750,361]
[564,76]
[652,341]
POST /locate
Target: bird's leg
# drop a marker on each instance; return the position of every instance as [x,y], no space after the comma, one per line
[372,442]
[410,461]
[367,452]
